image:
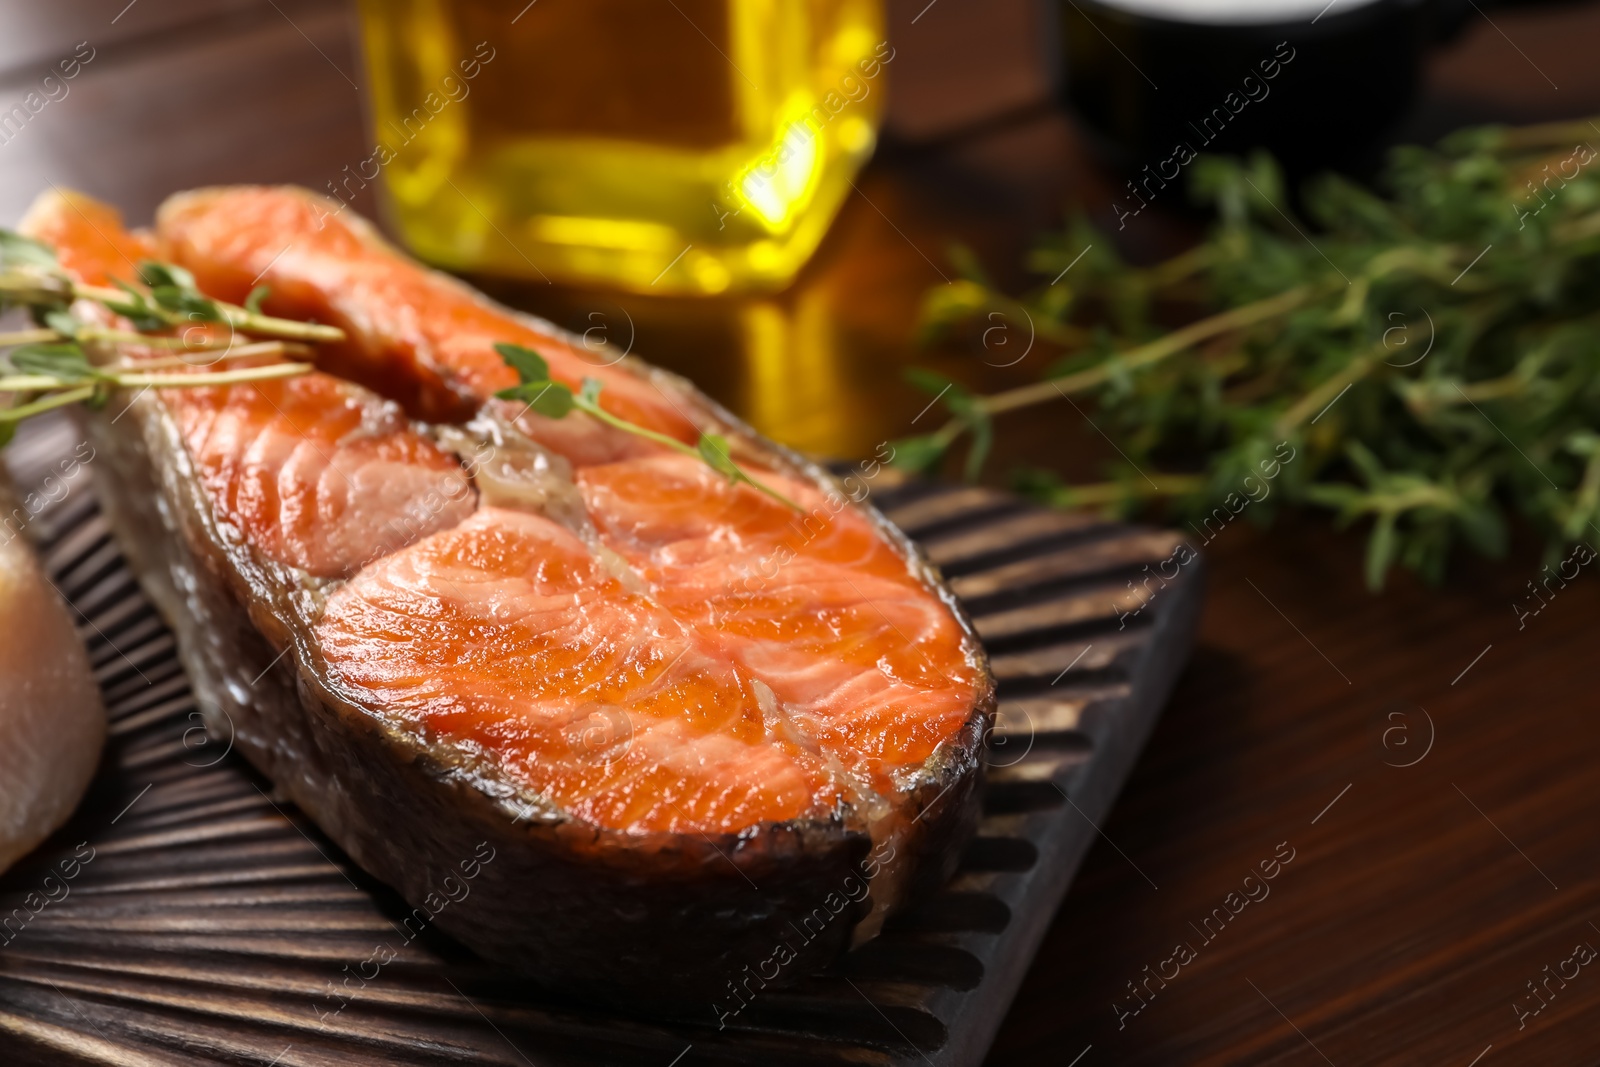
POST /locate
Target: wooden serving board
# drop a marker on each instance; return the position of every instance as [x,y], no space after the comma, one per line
[203,922]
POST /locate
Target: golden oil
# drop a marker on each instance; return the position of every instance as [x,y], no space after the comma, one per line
[672,146]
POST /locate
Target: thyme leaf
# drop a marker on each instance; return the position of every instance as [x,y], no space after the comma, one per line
[1429,351]
[50,367]
[556,400]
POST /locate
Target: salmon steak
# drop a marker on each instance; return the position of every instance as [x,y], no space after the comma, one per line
[647,732]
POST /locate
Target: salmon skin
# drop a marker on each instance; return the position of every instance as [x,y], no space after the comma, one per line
[646,735]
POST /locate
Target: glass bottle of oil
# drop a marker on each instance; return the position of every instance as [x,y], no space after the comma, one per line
[672,146]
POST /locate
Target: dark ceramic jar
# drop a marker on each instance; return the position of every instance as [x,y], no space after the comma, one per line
[1318,84]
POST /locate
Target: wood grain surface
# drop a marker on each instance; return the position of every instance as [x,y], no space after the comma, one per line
[187,915]
[1422,902]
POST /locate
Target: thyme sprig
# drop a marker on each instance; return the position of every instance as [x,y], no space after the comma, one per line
[31,277]
[556,400]
[1430,353]
[55,364]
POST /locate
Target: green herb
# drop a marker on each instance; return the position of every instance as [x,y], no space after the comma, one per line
[61,387]
[556,400]
[49,367]
[60,359]
[1431,354]
[30,277]
[23,254]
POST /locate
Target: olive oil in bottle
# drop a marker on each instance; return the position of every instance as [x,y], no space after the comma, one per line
[672,146]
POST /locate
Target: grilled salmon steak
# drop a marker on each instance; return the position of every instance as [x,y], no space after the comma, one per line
[609,717]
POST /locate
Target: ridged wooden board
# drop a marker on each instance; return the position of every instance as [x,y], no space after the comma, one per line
[213,924]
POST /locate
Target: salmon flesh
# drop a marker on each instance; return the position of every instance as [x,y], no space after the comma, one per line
[667,721]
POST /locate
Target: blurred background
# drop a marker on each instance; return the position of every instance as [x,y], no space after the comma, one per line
[632,170]
[788,291]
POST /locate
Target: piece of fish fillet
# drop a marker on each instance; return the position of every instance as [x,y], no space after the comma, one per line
[52,723]
[695,730]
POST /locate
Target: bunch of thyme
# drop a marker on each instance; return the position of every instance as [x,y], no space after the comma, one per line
[67,361]
[1431,353]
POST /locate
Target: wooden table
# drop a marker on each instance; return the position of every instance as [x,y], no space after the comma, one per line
[1426,763]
